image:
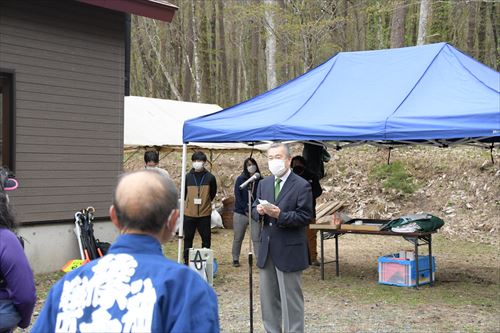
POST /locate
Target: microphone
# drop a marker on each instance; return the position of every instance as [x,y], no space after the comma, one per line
[250,180]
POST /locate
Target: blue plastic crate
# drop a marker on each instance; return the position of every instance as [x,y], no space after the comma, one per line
[400,272]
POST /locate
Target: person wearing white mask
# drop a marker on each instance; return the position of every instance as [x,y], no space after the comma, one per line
[240,215]
[284,205]
[201,188]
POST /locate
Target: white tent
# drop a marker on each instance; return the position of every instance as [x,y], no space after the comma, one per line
[159,122]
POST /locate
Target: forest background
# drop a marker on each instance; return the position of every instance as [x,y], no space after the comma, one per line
[226,51]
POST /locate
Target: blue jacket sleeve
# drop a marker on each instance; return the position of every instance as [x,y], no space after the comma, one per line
[47,317]
[195,308]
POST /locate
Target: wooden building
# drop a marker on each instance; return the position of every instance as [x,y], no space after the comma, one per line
[63,77]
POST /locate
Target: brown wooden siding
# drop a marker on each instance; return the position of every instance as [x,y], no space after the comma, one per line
[68,60]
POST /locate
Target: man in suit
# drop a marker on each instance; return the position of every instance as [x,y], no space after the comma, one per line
[283,251]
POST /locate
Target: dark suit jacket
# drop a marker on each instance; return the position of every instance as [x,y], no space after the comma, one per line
[284,239]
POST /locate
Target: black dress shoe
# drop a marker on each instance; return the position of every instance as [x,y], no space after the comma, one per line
[236,263]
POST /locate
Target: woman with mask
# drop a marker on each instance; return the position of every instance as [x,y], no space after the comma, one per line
[17,286]
[240,217]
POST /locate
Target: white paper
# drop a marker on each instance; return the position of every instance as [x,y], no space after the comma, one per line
[265,203]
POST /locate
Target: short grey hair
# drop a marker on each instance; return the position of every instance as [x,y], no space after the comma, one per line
[281,144]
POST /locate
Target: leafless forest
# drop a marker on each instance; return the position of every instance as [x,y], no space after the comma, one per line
[226,51]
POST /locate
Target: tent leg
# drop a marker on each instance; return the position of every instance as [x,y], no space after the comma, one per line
[491,154]
[183,195]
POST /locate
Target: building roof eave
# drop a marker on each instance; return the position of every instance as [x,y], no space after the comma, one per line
[155,9]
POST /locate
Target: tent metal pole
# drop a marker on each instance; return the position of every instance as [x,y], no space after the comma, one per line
[183,195]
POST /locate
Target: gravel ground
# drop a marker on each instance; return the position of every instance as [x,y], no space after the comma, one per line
[464,298]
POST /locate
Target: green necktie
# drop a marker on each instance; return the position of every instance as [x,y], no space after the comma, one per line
[277,188]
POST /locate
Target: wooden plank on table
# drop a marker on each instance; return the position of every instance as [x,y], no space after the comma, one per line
[362,227]
[323,226]
[328,208]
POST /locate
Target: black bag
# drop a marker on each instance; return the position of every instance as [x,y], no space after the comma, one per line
[315,156]
[103,246]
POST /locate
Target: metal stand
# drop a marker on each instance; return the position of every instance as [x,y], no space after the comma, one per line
[250,254]
[417,239]
[426,240]
[324,236]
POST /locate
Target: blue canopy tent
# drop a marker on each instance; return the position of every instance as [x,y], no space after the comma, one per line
[408,94]
[432,93]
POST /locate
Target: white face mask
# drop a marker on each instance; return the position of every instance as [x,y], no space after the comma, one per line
[198,165]
[251,169]
[277,167]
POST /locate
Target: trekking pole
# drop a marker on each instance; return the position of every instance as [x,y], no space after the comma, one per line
[78,233]
[250,254]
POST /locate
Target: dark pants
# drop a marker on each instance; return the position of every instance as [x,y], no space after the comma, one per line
[312,242]
[9,317]
[190,226]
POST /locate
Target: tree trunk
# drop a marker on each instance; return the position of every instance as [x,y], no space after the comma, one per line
[196,58]
[398,24]
[255,56]
[284,69]
[343,25]
[380,28]
[234,54]
[189,46]
[270,45]
[222,52]
[204,52]
[214,61]
[494,27]
[471,28]
[359,29]
[482,31]
[164,69]
[243,71]
[422,21]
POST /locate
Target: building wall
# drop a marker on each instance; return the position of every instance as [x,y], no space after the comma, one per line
[50,246]
[68,62]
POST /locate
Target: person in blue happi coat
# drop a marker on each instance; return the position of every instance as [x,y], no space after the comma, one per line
[134,288]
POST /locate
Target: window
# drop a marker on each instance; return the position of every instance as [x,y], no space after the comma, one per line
[7,119]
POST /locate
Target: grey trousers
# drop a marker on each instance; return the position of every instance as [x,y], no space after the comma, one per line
[281,299]
[240,223]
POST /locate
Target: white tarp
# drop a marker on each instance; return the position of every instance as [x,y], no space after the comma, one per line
[159,122]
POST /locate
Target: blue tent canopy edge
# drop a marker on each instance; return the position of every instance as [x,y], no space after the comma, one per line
[411,95]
